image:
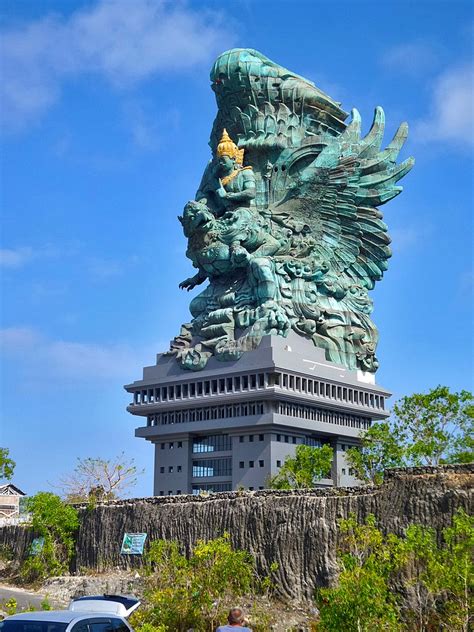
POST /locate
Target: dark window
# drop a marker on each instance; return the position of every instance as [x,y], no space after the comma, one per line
[344,470]
[241,465]
[179,468]
[212,487]
[261,463]
[162,470]
[170,469]
[250,463]
[260,488]
[170,493]
[162,446]
[171,445]
[241,439]
[261,437]
[162,493]
[287,438]
[102,625]
[251,438]
[180,444]
[178,491]
[119,626]
[33,626]
[278,437]
[212,443]
[294,439]
[212,467]
[278,463]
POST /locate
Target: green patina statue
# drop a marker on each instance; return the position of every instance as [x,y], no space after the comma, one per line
[289,238]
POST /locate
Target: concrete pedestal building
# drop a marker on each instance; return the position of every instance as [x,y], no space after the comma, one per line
[233,424]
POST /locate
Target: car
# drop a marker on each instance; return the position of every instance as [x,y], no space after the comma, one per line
[100,613]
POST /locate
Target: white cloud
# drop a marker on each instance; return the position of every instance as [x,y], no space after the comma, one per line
[410,58]
[451,117]
[15,258]
[42,358]
[21,256]
[124,42]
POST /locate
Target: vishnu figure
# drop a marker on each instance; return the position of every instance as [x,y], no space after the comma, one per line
[228,191]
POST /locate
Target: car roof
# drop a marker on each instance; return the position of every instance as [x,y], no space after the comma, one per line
[59,616]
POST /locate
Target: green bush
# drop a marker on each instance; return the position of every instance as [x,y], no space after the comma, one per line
[196,592]
[394,584]
[56,522]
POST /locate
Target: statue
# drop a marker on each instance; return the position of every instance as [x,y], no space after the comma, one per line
[285,226]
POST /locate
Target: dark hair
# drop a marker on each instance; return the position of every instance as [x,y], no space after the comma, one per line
[235,615]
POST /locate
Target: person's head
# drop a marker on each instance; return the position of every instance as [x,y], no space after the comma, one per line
[236,616]
[228,155]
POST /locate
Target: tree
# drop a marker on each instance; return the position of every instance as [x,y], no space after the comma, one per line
[393,583]
[362,600]
[196,591]
[7,465]
[381,447]
[99,479]
[56,523]
[441,586]
[305,469]
[437,426]
[431,428]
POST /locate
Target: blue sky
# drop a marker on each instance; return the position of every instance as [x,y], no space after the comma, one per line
[106,113]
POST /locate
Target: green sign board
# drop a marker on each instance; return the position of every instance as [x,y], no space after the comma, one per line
[133,543]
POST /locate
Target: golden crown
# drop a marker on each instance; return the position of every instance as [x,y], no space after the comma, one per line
[227,147]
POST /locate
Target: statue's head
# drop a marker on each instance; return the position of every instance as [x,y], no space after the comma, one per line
[196,215]
[228,155]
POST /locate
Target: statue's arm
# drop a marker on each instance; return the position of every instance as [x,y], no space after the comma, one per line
[191,282]
[249,190]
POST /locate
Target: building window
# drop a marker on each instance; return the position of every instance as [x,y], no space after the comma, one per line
[170,469]
[179,468]
[294,440]
[162,470]
[250,463]
[170,492]
[171,445]
[212,467]
[344,471]
[241,465]
[261,487]
[251,438]
[212,443]
[211,487]
[351,471]
[261,437]
[180,444]
[162,493]
[287,438]
[278,437]
[178,491]
[162,446]
[278,463]
[261,463]
[251,489]
[241,439]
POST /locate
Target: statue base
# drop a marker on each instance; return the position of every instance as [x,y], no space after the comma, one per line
[233,424]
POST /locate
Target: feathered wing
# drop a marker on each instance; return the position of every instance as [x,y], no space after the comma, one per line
[337,194]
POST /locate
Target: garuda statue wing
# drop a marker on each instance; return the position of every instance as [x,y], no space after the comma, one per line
[335,192]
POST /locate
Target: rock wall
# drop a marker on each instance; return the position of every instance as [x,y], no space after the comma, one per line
[296,529]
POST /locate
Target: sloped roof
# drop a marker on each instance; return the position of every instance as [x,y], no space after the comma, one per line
[5,489]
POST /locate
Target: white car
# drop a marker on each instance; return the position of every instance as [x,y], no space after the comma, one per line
[104,613]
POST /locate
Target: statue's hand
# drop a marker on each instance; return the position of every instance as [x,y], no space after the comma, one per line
[188,284]
[238,254]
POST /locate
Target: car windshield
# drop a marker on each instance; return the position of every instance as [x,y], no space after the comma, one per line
[23,625]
